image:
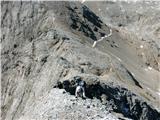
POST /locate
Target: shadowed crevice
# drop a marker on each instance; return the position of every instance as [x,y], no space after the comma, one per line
[123,101]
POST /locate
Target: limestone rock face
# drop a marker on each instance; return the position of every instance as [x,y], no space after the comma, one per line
[46,43]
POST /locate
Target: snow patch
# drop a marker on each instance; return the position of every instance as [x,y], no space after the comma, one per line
[53,19]
[150,68]
[133,74]
[141,46]
[82,1]
[158,93]
[102,38]
[145,69]
[119,59]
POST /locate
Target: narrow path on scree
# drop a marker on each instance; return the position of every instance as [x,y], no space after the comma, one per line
[128,57]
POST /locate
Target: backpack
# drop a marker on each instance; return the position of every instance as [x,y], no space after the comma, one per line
[81,83]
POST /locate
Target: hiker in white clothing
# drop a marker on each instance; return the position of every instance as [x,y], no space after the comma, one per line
[80,87]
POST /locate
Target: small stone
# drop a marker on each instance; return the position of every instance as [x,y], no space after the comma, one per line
[88,106]
[64,92]
[73,103]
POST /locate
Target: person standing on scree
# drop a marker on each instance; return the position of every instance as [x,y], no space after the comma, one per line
[80,87]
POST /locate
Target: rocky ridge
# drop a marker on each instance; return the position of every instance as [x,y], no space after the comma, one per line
[43,44]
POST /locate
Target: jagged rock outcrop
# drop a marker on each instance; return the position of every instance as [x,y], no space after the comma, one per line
[119,99]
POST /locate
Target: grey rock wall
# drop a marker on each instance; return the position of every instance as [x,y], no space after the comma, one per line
[47,42]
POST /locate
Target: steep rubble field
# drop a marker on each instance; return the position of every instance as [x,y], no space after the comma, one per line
[46,44]
[138,24]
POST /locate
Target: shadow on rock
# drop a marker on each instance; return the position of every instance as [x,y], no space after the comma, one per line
[120,99]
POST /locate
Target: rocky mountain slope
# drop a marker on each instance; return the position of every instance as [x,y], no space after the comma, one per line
[139,20]
[46,44]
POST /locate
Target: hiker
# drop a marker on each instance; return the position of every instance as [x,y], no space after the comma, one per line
[80,87]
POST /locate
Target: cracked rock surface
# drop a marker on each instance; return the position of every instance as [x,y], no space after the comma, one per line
[45,43]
